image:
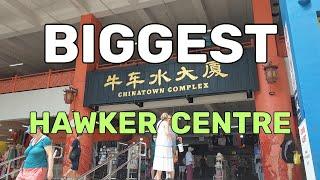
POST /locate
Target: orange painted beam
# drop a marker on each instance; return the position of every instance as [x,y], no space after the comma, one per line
[273,165]
[60,137]
[37,81]
[79,82]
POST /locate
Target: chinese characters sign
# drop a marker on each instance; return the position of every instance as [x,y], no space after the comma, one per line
[167,80]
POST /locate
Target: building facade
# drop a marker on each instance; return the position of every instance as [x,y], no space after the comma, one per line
[19,91]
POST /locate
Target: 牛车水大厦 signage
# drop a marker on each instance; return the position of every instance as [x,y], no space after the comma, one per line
[147,82]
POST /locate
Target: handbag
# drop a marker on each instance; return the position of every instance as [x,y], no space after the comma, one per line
[175,158]
[72,155]
[175,155]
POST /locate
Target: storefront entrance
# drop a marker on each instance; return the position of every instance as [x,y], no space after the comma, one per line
[241,154]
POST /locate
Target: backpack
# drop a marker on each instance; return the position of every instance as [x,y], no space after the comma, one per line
[287,151]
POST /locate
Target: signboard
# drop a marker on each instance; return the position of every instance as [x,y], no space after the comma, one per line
[301,32]
[306,150]
[139,83]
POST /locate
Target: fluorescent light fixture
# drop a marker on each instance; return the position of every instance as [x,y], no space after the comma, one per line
[241,136]
[17,64]
[10,139]
[10,130]
[234,127]
[25,126]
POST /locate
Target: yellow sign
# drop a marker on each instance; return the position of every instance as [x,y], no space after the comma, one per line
[212,69]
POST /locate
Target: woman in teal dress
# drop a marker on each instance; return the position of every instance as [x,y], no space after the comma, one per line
[38,164]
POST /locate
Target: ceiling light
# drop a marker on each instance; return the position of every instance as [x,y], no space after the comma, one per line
[241,136]
[189,99]
[139,104]
[10,130]
[10,139]
[25,126]
[17,64]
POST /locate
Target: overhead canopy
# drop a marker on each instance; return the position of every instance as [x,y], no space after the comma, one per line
[21,23]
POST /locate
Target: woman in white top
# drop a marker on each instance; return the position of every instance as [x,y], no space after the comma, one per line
[163,157]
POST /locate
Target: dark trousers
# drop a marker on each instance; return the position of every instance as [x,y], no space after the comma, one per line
[203,171]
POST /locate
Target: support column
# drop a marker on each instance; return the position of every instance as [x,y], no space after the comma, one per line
[273,165]
[79,82]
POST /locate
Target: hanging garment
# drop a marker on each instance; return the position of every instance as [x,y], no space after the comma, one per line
[236,140]
[214,140]
[222,141]
[229,140]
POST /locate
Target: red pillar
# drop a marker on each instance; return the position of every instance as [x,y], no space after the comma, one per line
[79,82]
[273,165]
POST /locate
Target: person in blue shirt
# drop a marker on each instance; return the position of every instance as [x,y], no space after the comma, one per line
[38,164]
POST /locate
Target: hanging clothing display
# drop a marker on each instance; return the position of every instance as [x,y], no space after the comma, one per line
[229,140]
[214,140]
[102,155]
[222,141]
[236,140]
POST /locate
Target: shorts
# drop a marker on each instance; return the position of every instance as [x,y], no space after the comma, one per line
[32,173]
[182,169]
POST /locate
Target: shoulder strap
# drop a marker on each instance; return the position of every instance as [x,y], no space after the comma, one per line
[31,141]
[159,124]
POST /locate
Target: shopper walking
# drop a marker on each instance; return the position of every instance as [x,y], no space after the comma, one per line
[163,158]
[189,163]
[203,166]
[74,156]
[38,164]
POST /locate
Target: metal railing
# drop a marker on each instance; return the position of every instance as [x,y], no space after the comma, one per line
[110,168]
[12,167]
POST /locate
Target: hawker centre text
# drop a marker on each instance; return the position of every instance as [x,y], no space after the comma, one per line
[127,44]
[145,122]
